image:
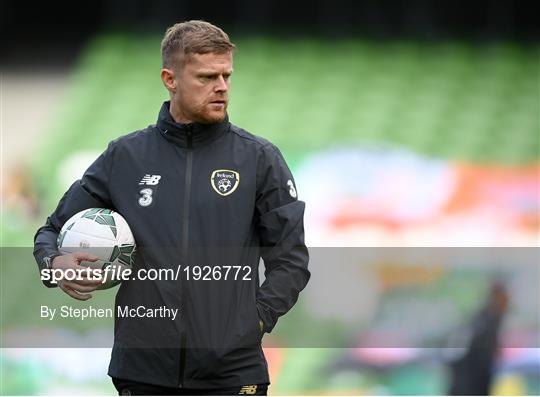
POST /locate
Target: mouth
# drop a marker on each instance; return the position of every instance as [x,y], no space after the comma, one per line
[218,102]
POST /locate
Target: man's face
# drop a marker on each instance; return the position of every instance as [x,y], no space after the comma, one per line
[202,93]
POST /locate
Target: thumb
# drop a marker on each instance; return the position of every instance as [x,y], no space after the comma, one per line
[84,256]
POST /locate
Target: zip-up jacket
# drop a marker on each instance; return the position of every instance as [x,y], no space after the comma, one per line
[202,196]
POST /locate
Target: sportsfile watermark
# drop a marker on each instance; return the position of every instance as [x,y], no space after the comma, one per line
[118,273]
[369,297]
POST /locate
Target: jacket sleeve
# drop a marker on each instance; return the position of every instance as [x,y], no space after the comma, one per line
[281,229]
[90,191]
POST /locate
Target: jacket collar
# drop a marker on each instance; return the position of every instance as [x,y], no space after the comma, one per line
[181,134]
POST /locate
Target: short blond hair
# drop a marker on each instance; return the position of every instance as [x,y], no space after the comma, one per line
[192,37]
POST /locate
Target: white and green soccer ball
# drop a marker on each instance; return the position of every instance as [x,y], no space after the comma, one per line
[103,233]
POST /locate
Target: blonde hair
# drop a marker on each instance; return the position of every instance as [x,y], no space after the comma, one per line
[192,37]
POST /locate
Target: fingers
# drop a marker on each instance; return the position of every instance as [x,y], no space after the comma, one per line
[69,261]
[73,293]
[77,267]
[83,281]
[79,287]
[84,256]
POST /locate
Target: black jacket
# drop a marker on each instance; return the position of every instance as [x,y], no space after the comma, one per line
[193,216]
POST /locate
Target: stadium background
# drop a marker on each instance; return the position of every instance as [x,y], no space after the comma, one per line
[406,124]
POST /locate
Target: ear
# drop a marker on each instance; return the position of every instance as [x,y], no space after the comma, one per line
[169,79]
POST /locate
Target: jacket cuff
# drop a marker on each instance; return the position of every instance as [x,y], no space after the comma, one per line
[41,266]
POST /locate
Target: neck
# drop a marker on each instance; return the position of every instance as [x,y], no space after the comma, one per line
[177,114]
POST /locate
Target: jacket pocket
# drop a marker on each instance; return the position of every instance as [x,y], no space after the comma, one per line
[260,332]
[256,325]
[250,335]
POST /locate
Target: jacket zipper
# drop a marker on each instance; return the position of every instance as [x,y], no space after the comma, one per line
[185,243]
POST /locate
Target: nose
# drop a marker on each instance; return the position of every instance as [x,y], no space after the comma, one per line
[221,85]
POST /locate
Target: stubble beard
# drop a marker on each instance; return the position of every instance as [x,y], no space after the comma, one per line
[203,114]
[206,116]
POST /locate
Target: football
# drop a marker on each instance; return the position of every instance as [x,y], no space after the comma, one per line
[103,233]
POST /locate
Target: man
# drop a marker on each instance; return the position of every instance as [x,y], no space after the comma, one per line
[472,369]
[195,190]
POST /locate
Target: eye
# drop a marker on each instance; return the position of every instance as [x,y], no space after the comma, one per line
[205,77]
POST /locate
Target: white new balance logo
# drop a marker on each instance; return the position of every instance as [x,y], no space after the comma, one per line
[150,180]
